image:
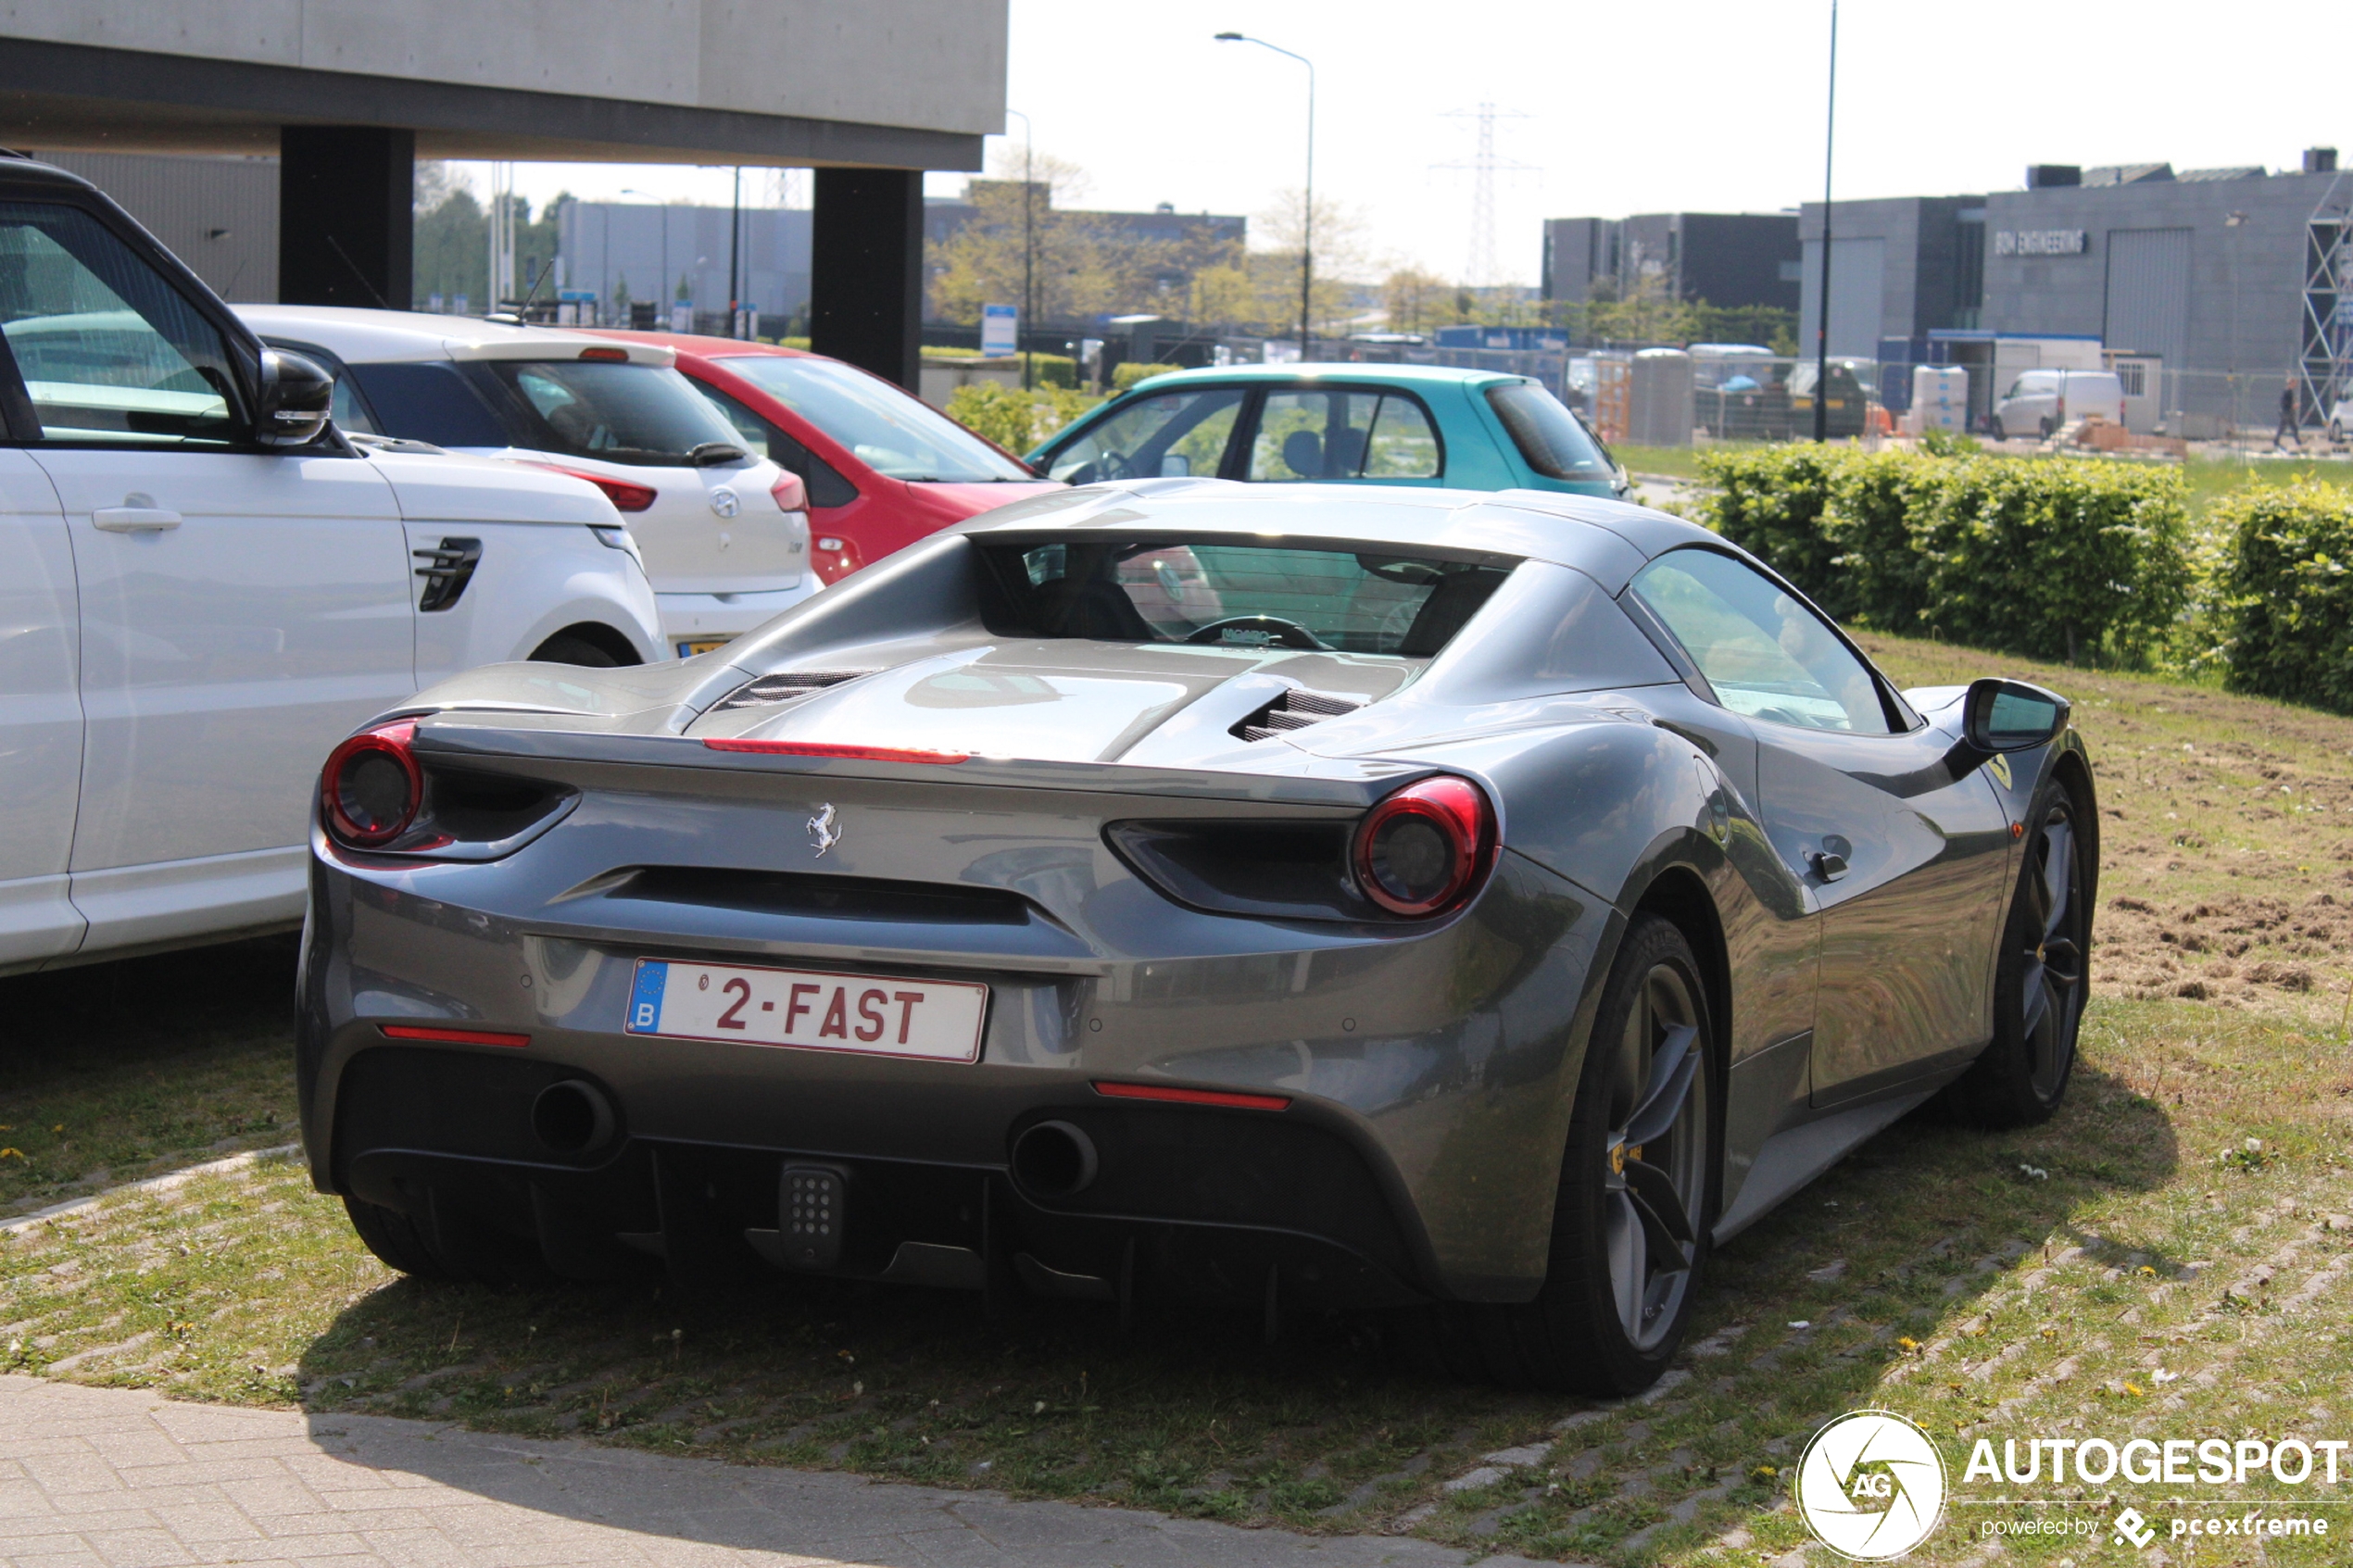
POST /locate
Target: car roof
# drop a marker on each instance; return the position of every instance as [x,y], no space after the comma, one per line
[1607,540]
[1339,369]
[363,336]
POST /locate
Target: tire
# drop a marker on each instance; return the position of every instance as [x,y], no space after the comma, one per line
[1999,432]
[1609,1318]
[2044,427]
[566,648]
[454,1250]
[2336,434]
[2040,984]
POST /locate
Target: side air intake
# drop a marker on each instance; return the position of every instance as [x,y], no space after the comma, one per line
[772,691]
[1295,710]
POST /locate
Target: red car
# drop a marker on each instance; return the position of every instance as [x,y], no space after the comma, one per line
[883,467]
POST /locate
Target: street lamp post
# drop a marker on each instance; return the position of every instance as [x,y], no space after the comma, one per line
[1028,230]
[1307,215]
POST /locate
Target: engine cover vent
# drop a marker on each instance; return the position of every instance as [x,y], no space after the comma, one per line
[1295,710]
[772,691]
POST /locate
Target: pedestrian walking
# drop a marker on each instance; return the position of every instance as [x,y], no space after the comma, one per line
[2291,425]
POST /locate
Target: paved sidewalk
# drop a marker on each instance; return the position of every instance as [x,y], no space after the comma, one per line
[111,1478]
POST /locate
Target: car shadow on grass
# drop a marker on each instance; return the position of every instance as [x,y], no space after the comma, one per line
[1330,1428]
[113,1073]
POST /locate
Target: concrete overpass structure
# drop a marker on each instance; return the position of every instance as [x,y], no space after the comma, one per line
[348,94]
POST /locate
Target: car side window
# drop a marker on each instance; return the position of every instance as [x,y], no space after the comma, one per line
[429,401]
[1403,444]
[110,353]
[1340,433]
[1176,433]
[826,485]
[1767,655]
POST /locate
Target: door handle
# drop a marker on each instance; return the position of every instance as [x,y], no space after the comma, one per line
[133,520]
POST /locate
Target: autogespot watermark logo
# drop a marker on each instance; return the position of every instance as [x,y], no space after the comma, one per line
[1871,1485]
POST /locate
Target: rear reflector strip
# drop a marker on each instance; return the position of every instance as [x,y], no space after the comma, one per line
[1227,1097]
[456,1037]
[854,753]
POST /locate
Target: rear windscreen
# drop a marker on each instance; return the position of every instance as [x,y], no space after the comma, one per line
[1236,595]
[623,413]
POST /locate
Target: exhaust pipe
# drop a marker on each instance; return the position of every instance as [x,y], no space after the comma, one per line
[573,1117]
[1053,1159]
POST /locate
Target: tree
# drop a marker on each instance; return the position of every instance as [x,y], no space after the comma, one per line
[1418,301]
[452,247]
[1078,265]
[1338,241]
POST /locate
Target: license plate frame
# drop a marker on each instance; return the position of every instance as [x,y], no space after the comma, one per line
[837,1011]
[690,646]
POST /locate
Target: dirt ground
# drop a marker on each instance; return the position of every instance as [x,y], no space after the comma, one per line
[2226,852]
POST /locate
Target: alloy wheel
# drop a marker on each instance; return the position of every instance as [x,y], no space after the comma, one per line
[2051,982]
[1654,1183]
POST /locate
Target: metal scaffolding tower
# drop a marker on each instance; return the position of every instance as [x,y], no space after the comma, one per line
[1480,268]
[2324,363]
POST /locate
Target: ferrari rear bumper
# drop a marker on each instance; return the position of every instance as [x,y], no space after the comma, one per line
[1406,1100]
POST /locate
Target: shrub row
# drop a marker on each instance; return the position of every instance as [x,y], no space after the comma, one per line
[2060,559]
[2284,598]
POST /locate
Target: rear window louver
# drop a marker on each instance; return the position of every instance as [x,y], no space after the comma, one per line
[1294,710]
[772,691]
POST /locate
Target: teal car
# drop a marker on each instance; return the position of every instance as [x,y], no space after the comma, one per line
[1364,424]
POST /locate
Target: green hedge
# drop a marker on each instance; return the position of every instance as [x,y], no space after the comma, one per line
[2286,593]
[2057,559]
[1128,372]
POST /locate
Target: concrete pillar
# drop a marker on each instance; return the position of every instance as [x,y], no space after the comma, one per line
[347,230]
[867,270]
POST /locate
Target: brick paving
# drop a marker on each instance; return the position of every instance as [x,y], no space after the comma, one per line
[122,1478]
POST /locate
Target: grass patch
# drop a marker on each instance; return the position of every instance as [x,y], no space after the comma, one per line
[118,1071]
[2162,1275]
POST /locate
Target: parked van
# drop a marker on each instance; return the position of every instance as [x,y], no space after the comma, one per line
[2042,401]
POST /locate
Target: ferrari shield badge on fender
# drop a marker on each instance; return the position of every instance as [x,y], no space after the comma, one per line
[822,834]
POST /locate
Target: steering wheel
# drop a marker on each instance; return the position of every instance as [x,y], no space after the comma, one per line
[1288,633]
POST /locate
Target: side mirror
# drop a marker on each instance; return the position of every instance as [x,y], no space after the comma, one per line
[1998,716]
[295,397]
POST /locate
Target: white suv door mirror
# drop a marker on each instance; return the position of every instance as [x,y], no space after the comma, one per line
[296,394]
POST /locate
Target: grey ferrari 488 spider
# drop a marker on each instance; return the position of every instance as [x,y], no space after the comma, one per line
[1475,904]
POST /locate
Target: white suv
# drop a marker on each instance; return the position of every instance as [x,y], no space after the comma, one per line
[725,534]
[204,586]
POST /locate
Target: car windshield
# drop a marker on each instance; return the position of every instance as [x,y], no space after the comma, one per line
[1546,432]
[896,435]
[1237,596]
[622,413]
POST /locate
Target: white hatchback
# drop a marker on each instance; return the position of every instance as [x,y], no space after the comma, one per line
[725,534]
[204,586]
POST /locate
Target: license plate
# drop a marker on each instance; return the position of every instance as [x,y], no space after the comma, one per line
[693,646]
[809,1009]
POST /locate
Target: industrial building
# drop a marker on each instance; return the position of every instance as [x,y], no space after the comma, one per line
[2226,276]
[347,98]
[1734,261]
[624,254]
[1194,234]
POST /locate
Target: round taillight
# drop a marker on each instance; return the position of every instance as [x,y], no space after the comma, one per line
[1420,851]
[372,786]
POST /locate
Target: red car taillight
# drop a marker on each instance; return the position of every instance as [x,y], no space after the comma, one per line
[372,786]
[791,495]
[1422,850]
[625,496]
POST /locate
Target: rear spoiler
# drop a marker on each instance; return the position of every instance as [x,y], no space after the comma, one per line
[1352,783]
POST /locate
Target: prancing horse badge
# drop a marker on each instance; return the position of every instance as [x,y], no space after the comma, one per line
[822,831]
